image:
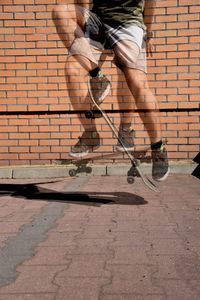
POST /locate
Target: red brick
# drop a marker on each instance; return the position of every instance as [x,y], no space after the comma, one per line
[6,16]
[18,149]
[25,16]
[14,23]
[9,8]
[35,8]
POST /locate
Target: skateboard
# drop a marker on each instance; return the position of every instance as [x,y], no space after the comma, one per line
[83,164]
[135,157]
[135,170]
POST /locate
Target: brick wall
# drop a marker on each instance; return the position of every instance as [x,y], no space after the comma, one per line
[37,121]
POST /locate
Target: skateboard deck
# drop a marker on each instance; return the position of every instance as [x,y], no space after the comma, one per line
[138,153]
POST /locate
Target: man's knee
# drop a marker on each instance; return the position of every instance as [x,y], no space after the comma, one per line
[73,69]
[137,82]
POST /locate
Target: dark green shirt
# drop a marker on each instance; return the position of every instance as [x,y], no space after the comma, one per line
[120,12]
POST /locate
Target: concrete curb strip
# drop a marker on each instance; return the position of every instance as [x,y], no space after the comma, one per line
[53,171]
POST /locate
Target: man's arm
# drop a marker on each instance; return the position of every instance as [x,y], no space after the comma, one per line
[149,11]
[84,3]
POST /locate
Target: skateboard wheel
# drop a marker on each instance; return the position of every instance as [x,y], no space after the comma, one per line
[72,173]
[88,170]
[89,114]
[130,179]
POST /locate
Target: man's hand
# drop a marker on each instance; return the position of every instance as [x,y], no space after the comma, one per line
[150,47]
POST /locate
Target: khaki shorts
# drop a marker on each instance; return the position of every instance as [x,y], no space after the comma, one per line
[127,43]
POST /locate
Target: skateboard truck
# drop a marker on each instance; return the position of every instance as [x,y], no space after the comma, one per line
[81,168]
[133,172]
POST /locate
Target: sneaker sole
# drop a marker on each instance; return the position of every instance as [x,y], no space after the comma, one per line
[164,177]
[106,92]
[121,149]
[78,155]
[83,154]
[103,96]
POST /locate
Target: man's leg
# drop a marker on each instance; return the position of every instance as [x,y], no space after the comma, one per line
[145,100]
[70,21]
[127,55]
[131,58]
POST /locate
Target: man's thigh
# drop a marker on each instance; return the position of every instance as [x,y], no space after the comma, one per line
[129,54]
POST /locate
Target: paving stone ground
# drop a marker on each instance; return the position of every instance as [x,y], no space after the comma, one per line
[99,238]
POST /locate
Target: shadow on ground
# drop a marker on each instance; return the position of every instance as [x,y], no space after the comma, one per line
[33,191]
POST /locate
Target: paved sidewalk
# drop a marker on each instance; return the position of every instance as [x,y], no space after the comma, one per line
[99,238]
